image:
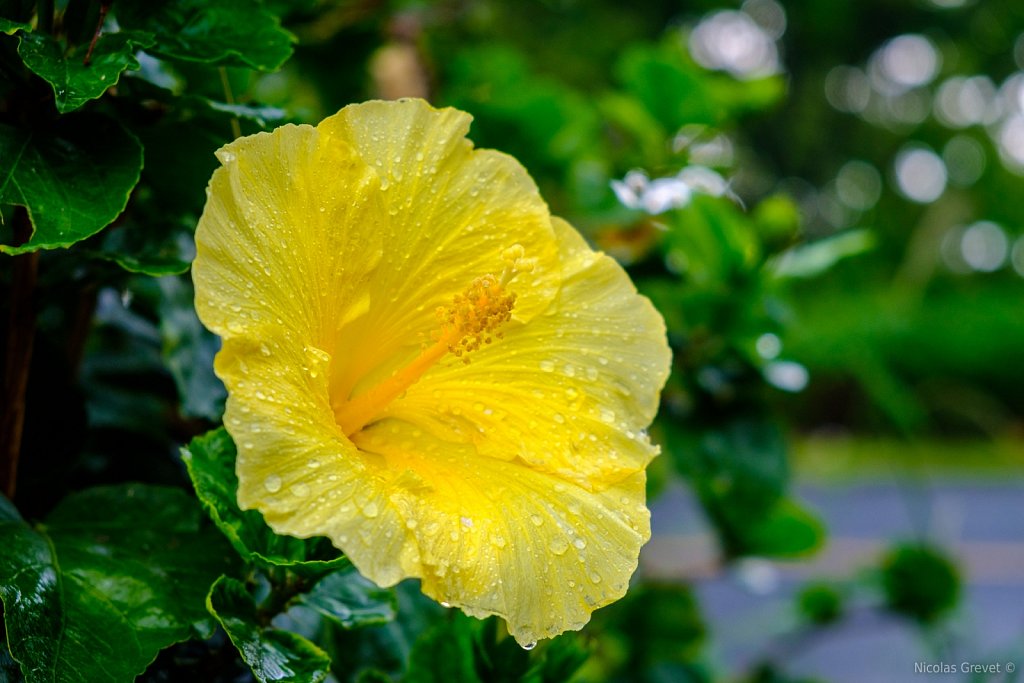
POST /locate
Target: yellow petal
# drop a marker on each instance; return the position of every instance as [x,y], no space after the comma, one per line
[450,212]
[496,537]
[288,237]
[571,392]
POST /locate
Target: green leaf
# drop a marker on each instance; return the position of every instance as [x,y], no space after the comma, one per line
[188,350]
[919,582]
[272,654]
[217,32]
[210,460]
[786,530]
[820,603]
[74,180]
[740,471]
[114,575]
[350,600]
[9,27]
[655,624]
[445,653]
[813,259]
[75,83]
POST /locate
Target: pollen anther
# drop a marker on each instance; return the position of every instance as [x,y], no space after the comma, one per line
[471,320]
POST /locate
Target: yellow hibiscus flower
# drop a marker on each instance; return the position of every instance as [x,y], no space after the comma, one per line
[427,367]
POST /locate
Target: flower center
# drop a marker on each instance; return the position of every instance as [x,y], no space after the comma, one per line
[472,320]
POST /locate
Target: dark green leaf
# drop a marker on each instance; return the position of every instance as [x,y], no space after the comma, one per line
[272,654]
[919,582]
[74,180]
[210,460]
[385,648]
[75,83]
[560,660]
[219,32]
[188,350]
[820,603]
[445,653]
[114,575]
[654,624]
[740,471]
[9,27]
[373,676]
[350,600]
[163,246]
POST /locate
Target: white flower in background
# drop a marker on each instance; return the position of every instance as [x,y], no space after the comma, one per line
[637,191]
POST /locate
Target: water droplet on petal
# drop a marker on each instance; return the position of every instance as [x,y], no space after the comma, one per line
[537,520]
[272,483]
[530,645]
[558,545]
[547,366]
[579,543]
[371,510]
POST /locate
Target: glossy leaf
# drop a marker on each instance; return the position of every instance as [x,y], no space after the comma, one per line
[210,460]
[9,27]
[350,600]
[94,594]
[74,179]
[272,654]
[219,32]
[188,350]
[74,82]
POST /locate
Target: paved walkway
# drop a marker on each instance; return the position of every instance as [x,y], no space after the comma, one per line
[750,609]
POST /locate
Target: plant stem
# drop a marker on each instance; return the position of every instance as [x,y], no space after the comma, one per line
[21,328]
[229,97]
[104,8]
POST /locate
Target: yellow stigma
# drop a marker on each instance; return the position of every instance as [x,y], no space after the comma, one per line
[472,320]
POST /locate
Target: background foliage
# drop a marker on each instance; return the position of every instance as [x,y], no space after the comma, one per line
[820,197]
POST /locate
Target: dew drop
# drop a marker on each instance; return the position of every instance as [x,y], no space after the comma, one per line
[445,604]
[499,541]
[313,463]
[569,370]
[537,520]
[559,418]
[595,577]
[272,483]
[579,543]
[558,545]
[300,490]
[370,509]
[547,366]
[530,645]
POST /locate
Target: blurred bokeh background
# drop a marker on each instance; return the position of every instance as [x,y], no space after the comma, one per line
[823,198]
